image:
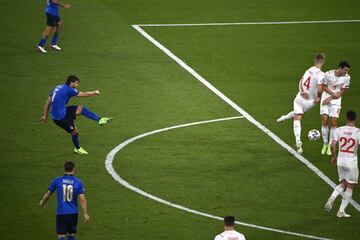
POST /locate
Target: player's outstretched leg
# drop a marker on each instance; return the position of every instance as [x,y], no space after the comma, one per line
[345,201]
[283,118]
[325,134]
[76,142]
[337,191]
[93,116]
[54,41]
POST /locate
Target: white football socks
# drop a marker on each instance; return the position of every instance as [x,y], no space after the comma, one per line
[346,199]
[339,189]
[332,133]
[297,130]
[325,133]
[290,115]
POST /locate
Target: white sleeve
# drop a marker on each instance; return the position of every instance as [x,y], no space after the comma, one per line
[218,237]
[324,80]
[320,76]
[346,83]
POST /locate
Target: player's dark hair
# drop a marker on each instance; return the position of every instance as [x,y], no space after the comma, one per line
[319,56]
[351,115]
[69,166]
[344,64]
[72,78]
[229,221]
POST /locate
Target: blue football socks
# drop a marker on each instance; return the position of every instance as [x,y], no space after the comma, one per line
[61,238]
[75,140]
[42,42]
[71,238]
[90,115]
[55,39]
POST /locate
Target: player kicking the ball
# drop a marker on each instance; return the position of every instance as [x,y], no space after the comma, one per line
[306,98]
[334,85]
[64,116]
[349,138]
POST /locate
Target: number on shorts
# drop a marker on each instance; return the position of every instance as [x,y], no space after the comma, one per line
[67,193]
[347,145]
[307,83]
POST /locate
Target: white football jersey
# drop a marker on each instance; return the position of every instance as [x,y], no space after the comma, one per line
[335,84]
[349,139]
[310,81]
[230,235]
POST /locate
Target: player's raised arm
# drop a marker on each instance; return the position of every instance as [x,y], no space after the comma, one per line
[45,199]
[88,94]
[84,207]
[59,3]
[46,110]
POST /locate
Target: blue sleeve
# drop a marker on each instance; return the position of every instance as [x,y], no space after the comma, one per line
[52,186]
[73,92]
[81,188]
[51,93]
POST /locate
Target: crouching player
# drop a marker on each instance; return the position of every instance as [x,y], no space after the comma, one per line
[349,138]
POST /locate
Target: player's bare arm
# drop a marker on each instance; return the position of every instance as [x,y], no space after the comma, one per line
[46,110]
[64,5]
[84,207]
[334,96]
[333,152]
[45,199]
[89,94]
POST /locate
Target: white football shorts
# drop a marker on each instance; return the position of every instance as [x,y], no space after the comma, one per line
[350,174]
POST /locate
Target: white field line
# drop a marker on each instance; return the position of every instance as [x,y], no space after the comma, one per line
[248,23]
[241,111]
[109,167]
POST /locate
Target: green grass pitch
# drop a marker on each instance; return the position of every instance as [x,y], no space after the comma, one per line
[219,168]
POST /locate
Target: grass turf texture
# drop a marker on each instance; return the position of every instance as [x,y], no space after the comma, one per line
[220,168]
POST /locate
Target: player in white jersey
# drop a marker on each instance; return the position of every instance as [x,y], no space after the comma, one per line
[306,98]
[229,233]
[334,85]
[349,138]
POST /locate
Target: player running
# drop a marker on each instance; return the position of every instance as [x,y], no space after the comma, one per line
[64,116]
[306,98]
[53,23]
[229,233]
[349,138]
[334,85]
[68,189]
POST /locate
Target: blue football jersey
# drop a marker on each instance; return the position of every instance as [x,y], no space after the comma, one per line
[52,8]
[60,96]
[68,188]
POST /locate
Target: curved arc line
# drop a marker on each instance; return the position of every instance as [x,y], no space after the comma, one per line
[109,167]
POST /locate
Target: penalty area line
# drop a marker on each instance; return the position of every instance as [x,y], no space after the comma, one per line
[109,167]
[272,135]
[249,23]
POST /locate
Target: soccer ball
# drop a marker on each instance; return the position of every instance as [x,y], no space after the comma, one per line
[314,135]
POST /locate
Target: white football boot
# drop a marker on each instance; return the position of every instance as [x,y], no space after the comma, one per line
[41,49]
[56,47]
[329,205]
[299,147]
[342,214]
[281,119]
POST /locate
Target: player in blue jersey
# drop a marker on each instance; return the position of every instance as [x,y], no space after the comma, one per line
[67,188]
[53,23]
[64,116]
